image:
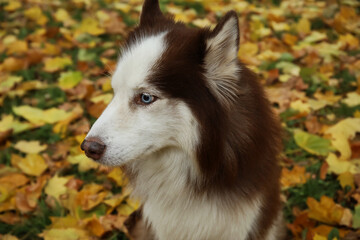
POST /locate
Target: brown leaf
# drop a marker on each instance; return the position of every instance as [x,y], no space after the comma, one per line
[96,109]
[4,136]
[312,124]
[10,218]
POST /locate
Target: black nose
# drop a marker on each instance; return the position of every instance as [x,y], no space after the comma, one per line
[93,147]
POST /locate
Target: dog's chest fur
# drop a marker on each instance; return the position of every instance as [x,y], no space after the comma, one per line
[174,211]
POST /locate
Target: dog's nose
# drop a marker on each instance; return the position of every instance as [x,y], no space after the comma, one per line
[93,147]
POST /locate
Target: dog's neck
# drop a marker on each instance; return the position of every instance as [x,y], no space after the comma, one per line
[164,174]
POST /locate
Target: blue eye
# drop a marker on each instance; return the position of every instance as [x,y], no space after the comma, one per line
[146,99]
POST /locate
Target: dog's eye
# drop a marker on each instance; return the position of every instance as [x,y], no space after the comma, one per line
[145,99]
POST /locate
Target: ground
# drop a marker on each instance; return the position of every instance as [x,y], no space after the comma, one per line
[56,61]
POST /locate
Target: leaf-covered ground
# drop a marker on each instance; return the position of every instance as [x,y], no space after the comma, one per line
[56,58]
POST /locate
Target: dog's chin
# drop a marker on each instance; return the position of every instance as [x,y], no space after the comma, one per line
[110,162]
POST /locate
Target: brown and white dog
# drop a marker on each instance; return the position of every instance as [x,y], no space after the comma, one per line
[194,132]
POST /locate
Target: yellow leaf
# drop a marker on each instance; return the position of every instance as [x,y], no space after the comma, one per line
[16,47]
[201,22]
[124,7]
[341,133]
[30,146]
[106,86]
[125,209]
[8,122]
[294,177]
[106,98]
[63,16]
[39,116]
[90,26]
[303,26]
[317,104]
[90,196]
[65,234]
[36,15]
[319,237]
[32,164]
[9,237]
[117,175]
[56,186]
[68,221]
[51,49]
[281,26]
[70,79]
[357,114]
[339,166]
[9,82]
[27,86]
[12,5]
[352,99]
[325,211]
[346,179]
[248,49]
[300,106]
[349,40]
[84,162]
[95,227]
[57,63]
[115,200]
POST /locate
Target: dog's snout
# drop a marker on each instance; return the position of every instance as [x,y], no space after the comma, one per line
[93,148]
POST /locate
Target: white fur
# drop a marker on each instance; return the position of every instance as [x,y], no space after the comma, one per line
[132,132]
[222,69]
[277,230]
[157,143]
[175,212]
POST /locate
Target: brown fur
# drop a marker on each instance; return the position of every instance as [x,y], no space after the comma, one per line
[239,145]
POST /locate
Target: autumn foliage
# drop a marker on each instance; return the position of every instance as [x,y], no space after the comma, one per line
[56,61]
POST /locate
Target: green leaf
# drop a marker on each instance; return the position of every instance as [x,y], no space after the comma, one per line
[312,143]
[69,79]
[84,55]
[356,217]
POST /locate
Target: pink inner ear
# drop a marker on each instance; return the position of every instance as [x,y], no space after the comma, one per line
[150,12]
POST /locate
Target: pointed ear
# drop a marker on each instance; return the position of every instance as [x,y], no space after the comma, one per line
[150,12]
[221,63]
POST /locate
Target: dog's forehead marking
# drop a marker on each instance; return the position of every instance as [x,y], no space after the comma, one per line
[137,61]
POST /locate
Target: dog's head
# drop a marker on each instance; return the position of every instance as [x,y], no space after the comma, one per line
[171,86]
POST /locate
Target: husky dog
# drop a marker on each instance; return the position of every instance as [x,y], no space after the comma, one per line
[193,131]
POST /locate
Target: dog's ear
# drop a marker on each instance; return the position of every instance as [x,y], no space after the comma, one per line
[221,64]
[150,12]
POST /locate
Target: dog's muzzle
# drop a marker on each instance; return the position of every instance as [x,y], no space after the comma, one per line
[93,148]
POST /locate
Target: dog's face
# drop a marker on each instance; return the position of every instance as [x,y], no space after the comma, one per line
[141,119]
[166,88]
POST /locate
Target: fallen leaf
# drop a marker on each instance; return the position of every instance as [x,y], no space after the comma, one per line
[341,133]
[56,186]
[40,116]
[346,179]
[303,27]
[339,166]
[32,164]
[57,63]
[85,163]
[117,176]
[30,146]
[325,211]
[352,99]
[312,143]
[36,15]
[65,234]
[17,47]
[296,176]
[12,6]
[9,123]
[69,79]
[90,196]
